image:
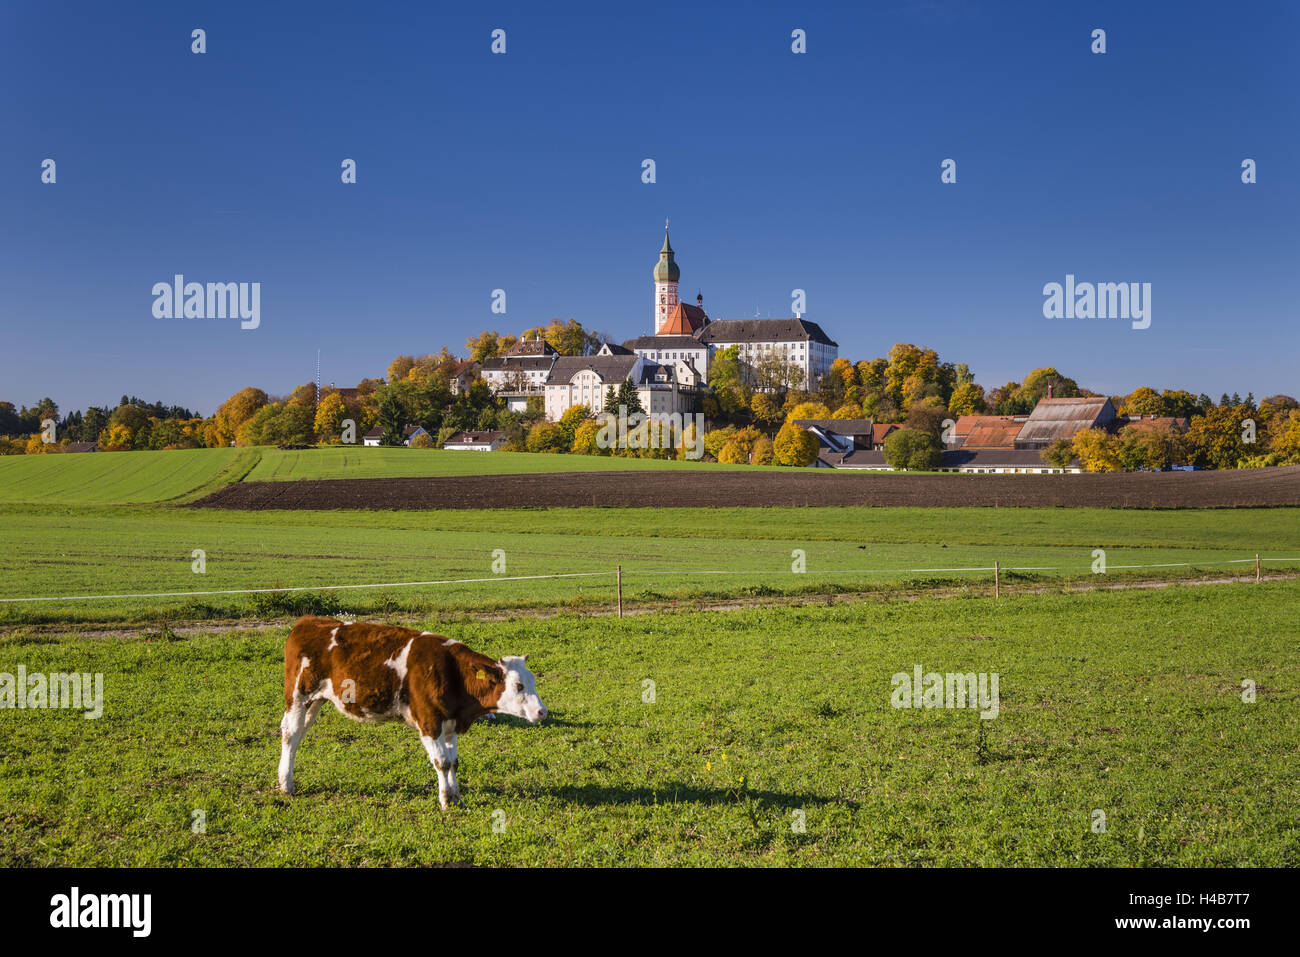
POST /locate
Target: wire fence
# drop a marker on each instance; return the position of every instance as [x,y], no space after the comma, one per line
[611,573]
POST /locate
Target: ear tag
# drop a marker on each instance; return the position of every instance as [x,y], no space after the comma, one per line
[480,675]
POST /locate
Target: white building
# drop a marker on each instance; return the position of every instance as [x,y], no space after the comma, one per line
[683,331]
[521,372]
[488,441]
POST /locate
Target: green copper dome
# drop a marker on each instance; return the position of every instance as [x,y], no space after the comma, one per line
[666,270]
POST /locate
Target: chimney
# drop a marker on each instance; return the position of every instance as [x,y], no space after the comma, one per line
[1049,390]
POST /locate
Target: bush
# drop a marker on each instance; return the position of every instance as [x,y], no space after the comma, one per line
[912,449]
[422,441]
[794,446]
[294,604]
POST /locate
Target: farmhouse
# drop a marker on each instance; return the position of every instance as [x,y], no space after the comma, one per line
[375,436]
[82,447]
[488,441]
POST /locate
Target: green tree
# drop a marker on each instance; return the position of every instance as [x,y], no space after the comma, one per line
[627,397]
[912,450]
[1059,454]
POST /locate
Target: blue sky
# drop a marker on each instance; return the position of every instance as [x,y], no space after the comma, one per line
[523,172]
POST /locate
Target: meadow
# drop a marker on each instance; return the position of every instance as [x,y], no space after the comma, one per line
[130,478]
[1127,703]
[666,555]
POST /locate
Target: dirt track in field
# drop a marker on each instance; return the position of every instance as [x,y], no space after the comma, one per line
[706,489]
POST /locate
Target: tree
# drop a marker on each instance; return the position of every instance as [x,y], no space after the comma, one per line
[573,417]
[488,345]
[927,415]
[422,441]
[233,413]
[1037,382]
[733,454]
[728,391]
[794,446]
[762,453]
[1215,439]
[627,397]
[967,399]
[304,395]
[611,400]
[765,408]
[1283,432]
[392,419]
[808,410]
[547,437]
[568,338]
[912,450]
[717,438]
[1143,401]
[584,439]
[1097,450]
[330,414]
[1060,454]
[1142,447]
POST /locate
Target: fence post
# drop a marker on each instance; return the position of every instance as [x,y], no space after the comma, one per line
[1257,566]
[997,579]
[618,574]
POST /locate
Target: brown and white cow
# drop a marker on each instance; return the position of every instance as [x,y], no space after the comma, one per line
[384,673]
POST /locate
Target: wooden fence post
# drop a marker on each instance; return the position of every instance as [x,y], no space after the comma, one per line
[1257,566]
[619,578]
[997,579]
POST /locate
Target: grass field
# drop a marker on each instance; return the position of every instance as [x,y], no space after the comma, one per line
[1128,703]
[666,554]
[128,478]
[116,478]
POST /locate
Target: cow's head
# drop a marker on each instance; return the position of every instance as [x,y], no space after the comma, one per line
[519,695]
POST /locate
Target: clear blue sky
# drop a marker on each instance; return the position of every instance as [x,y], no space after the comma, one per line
[523,172]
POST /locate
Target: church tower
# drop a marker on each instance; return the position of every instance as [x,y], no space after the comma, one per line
[666,276]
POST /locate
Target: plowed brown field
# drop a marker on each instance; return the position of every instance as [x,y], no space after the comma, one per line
[703,489]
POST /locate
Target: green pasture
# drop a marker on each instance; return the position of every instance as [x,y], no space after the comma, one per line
[1124,703]
[666,554]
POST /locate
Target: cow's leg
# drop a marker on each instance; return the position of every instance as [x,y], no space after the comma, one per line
[437,749]
[297,717]
[449,746]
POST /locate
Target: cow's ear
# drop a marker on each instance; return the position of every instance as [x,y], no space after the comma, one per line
[524,658]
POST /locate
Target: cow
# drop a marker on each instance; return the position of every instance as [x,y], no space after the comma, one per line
[378,673]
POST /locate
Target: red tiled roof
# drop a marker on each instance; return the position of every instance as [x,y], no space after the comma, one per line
[685,320]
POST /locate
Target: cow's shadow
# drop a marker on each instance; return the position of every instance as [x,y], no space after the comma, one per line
[676,792]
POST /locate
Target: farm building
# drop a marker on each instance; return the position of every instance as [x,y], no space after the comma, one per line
[488,441]
[986,431]
[375,436]
[82,447]
[1054,419]
[1172,423]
